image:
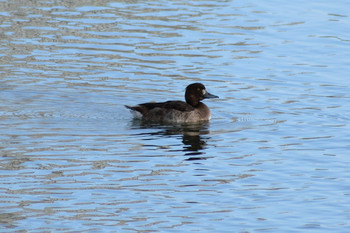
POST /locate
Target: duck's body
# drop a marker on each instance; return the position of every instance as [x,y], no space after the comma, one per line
[178,111]
[172,111]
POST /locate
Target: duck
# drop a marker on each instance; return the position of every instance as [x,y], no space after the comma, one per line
[176,111]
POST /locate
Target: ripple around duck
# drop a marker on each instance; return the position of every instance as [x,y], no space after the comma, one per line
[72,158]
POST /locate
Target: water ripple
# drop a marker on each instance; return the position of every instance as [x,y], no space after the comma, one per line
[73,159]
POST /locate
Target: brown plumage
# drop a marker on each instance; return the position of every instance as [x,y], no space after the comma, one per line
[178,111]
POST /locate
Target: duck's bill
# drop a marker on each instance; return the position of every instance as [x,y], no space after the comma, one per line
[210,96]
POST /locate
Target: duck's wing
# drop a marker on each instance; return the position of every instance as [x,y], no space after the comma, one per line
[177,105]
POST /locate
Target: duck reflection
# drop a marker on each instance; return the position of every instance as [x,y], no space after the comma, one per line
[194,136]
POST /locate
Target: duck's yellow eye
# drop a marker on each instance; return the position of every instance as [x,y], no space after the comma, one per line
[198,89]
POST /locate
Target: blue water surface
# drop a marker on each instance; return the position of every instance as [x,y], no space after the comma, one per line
[274,157]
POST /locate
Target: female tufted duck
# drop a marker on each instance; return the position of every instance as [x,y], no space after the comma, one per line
[178,111]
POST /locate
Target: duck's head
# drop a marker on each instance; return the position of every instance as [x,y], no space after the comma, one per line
[196,92]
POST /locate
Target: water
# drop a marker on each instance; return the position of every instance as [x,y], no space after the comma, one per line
[274,158]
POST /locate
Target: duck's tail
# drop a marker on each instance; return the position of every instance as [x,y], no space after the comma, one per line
[129,107]
[136,108]
[137,111]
